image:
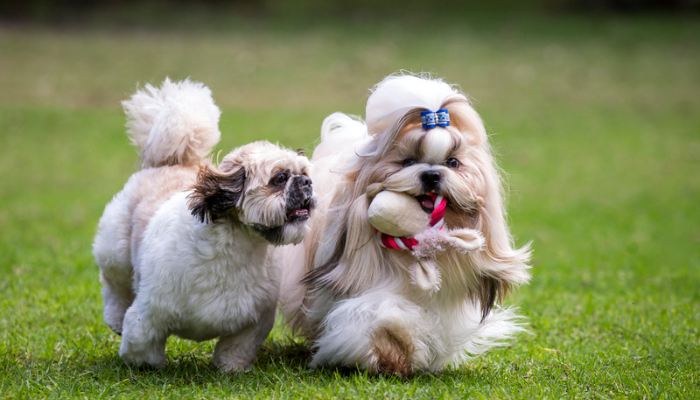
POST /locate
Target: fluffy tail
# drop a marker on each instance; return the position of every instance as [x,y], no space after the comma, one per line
[340,134]
[176,124]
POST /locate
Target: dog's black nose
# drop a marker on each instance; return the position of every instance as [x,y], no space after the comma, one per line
[302,182]
[430,180]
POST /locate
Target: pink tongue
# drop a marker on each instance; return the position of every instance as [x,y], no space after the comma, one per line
[427,202]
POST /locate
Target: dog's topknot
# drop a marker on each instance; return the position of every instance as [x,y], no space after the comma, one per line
[397,94]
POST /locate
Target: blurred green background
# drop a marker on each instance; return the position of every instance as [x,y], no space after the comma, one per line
[593,107]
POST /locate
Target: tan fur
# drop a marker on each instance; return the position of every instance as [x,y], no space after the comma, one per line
[158,185]
[392,349]
[152,187]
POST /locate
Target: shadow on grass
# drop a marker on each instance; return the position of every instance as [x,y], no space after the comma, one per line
[194,366]
[280,365]
[295,357]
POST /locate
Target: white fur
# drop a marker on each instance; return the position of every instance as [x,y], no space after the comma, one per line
[437,145]
[361,304]
[199,281]
[169,267]
[177,123]
[395,95]
[441,336]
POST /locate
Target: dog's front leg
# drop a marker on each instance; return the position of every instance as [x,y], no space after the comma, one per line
[142,343]
[237,352]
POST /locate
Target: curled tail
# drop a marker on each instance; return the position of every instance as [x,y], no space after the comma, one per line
[176,124]
[341,134]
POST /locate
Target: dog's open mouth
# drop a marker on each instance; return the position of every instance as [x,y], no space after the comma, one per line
[427,201]
[299,210]
[298,214]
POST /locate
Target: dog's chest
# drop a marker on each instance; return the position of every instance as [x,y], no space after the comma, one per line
[226,295]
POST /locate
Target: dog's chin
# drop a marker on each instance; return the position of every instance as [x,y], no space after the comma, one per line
[295,231]
[279,222]
[292,231]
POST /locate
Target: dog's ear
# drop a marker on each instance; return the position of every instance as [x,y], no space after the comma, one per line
[216,192]
[500,266]
[352,245]
[491,291]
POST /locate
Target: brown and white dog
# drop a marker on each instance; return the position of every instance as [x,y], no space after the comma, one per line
[357,301]
[186,248]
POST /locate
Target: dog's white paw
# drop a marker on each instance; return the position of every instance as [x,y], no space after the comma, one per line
[143,359]
[232,366]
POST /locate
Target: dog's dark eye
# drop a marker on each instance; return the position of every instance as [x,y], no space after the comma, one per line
[280,179]
[452,163]
[408,162]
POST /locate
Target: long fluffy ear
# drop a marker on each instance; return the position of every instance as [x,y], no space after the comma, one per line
[216,192]
[348,260]
[500,265]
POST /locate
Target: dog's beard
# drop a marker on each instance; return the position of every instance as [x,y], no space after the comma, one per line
[453,186]
[280,218]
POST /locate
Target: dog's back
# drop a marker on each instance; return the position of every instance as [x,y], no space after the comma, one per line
[175,127]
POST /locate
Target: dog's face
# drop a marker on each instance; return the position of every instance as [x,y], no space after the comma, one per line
[446,161]
[261,186]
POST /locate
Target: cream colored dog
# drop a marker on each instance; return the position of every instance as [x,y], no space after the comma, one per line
[397,305]
[186,247]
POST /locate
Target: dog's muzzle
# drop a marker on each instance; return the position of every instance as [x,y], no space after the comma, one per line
[300,200]
[430,181]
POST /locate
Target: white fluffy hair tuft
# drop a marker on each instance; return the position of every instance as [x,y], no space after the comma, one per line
[176,124]
[396,94]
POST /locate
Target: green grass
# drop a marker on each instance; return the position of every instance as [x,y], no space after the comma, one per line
[596,121]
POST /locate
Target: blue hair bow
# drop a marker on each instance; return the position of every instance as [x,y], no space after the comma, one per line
[431,119]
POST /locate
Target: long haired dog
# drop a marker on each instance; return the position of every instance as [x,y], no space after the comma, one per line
[362,304]
[186,247]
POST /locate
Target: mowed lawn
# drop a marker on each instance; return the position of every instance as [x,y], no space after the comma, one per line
[595,119]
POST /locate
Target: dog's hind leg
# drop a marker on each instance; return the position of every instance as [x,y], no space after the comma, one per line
[142,344]
[380,332]
[118,297]
[392,350]
[237,352]
[112,251]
